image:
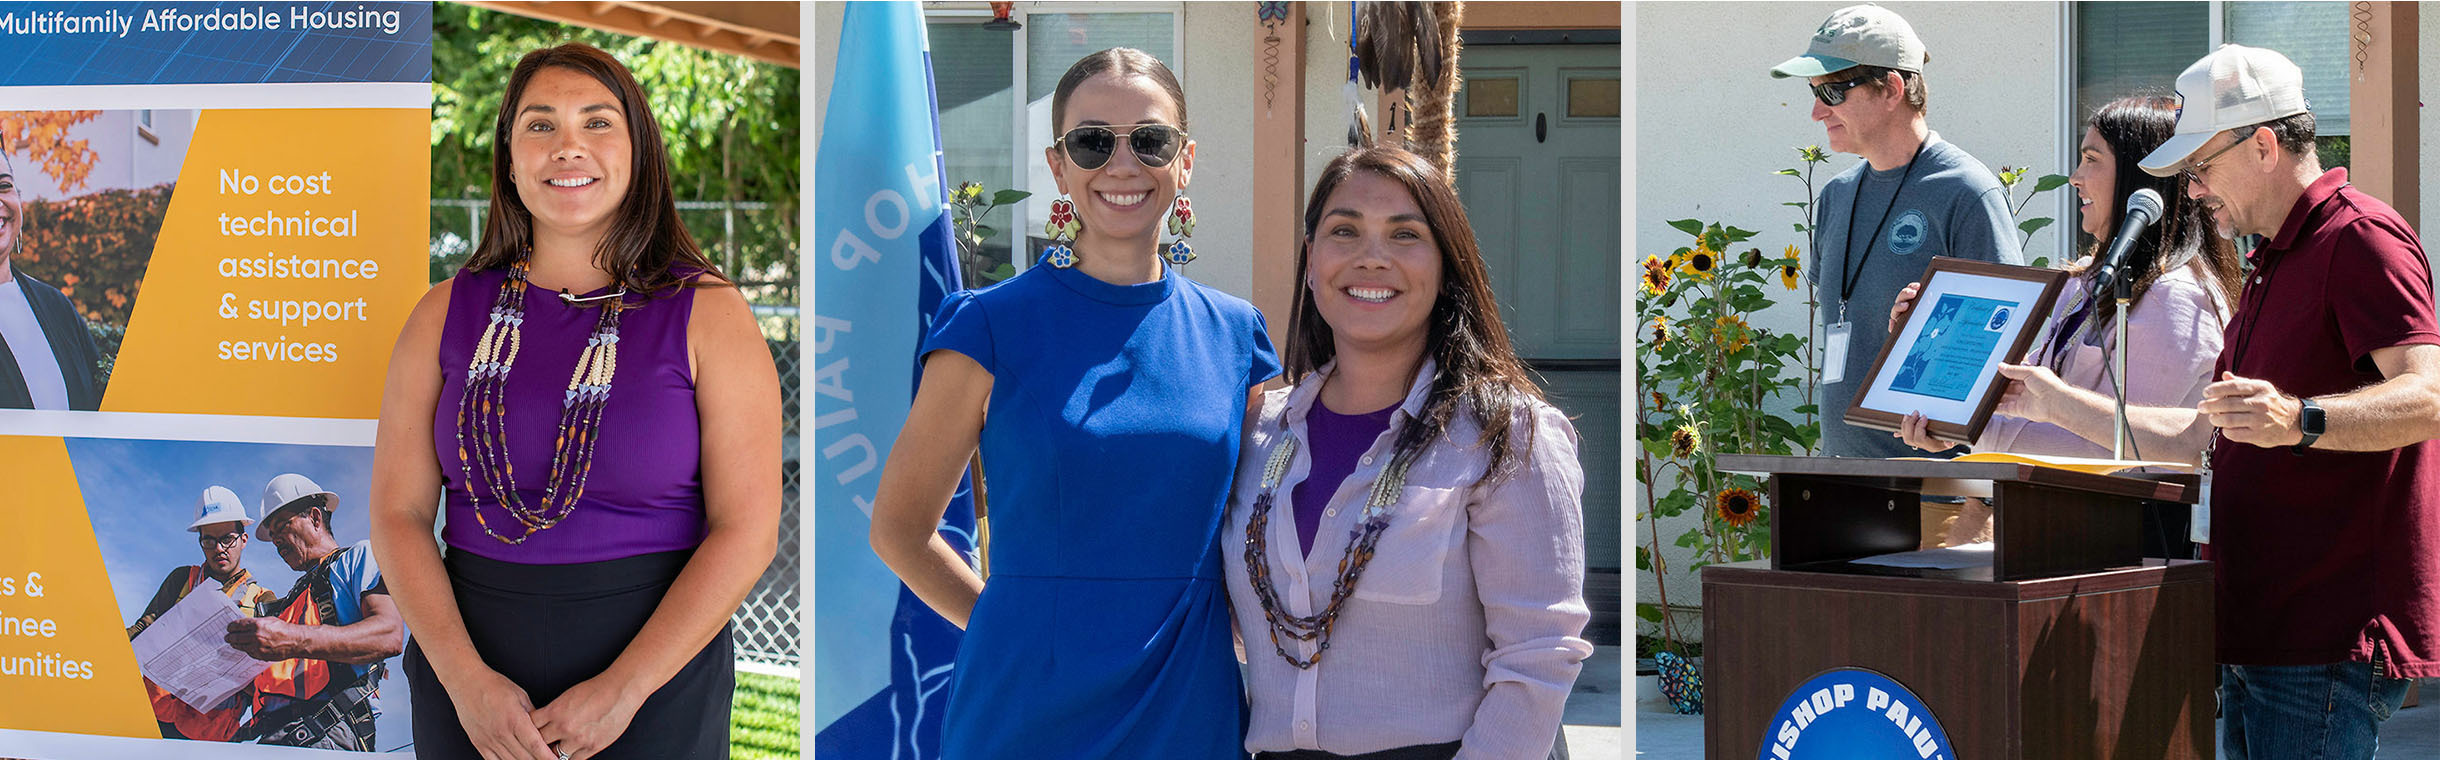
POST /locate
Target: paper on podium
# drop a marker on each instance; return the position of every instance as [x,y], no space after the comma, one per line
[1957,557]
[2079,464]
[185,653]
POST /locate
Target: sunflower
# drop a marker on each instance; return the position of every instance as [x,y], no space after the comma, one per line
[1738,507]
[1732,332]
[1788,271]
[1660,332]
[1656,275]
[1700,262]
[1684,440]
[1658,400]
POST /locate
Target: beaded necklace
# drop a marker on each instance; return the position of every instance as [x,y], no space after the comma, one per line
[1360,543]
[482,418]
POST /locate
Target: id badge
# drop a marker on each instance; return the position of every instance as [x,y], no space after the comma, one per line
[2198,514]
[1834,350]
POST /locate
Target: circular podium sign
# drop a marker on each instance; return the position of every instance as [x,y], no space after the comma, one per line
[1853,713]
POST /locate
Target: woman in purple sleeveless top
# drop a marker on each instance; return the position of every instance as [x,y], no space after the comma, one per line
[596,409]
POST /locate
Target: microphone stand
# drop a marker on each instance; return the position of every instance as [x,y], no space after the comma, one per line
[2125,287]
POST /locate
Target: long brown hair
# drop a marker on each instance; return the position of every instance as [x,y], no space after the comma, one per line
[1478,366]
[2132,127]
[647,249]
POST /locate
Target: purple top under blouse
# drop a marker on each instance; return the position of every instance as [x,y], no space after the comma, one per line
[1338,439]
[645,493]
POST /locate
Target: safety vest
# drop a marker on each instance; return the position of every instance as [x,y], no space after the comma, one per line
[218,724]
[310,602]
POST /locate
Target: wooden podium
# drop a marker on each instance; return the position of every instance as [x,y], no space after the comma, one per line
[2069,644]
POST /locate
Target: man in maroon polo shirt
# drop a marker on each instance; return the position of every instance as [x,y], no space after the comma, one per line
[2324,493]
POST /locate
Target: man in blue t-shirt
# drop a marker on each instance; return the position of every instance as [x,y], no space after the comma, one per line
[1877,224]
[328,638]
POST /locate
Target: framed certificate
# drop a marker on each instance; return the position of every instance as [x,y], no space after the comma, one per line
[1970,316]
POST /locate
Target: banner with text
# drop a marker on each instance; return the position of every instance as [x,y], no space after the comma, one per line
[213,223]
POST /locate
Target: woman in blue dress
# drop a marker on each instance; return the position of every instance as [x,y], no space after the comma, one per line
[1107,394]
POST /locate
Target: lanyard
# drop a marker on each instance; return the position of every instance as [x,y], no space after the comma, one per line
[1849,276]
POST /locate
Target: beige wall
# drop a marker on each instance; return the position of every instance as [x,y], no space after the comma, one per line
[1711,126]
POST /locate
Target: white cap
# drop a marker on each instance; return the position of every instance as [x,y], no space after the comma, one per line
[2235,86]
[219,505]
[286,490]
[1858,35]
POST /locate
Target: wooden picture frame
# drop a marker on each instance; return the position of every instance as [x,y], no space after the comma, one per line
[1974,314]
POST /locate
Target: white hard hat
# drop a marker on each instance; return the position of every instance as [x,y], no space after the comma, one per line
[218,505]
[287,490]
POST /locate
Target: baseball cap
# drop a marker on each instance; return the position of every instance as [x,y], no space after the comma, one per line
[218,505]
[1858,35]
[2234,86]
[285,491]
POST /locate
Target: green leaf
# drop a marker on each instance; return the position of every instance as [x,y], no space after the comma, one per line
[1005,197]
[1688,226]
[1738,236]
[2048,182]
[1690,539]
[2042,262]
[1648,611]
[2036,223]
[984,233]
[1798,204]
[1643,561]
[1789,172]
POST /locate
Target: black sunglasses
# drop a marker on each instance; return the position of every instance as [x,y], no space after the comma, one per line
[1155,145]
[1834,93]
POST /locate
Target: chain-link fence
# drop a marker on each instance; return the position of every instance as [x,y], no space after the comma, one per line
[755,244]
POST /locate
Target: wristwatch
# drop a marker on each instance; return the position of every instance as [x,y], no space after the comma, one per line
[2310,420]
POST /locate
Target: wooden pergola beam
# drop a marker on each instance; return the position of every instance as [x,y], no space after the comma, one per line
[762,31]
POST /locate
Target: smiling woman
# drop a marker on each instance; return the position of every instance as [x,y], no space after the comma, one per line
[581,609]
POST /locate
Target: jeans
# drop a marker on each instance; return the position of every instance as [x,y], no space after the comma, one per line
[2304,712]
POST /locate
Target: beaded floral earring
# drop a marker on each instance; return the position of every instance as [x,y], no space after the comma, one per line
[1181,224]
[1062,231]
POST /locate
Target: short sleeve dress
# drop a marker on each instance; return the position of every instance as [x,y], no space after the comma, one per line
[1108,448]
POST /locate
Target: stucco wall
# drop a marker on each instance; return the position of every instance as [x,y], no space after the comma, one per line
[1711,126]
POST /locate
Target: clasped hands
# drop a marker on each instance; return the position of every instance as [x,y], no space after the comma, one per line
[503,723]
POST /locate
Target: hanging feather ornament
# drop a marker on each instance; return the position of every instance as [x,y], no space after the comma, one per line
[1414,47]
[1433,130]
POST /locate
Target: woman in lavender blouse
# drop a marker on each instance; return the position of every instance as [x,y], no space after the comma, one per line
[1406,540]
[2182,296]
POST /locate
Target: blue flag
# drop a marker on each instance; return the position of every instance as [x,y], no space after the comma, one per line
[883,259]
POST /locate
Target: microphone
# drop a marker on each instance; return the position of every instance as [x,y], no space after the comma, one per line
[2143,208]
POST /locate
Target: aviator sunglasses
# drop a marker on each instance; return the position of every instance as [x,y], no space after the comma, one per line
[1155,145]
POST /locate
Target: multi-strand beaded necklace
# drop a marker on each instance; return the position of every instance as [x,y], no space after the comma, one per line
[482,418]
[1360,541]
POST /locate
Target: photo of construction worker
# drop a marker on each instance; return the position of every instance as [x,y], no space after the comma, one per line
[220,531]
[283,532]
[328,636]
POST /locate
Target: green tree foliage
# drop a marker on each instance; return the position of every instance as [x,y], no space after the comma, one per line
[730,123]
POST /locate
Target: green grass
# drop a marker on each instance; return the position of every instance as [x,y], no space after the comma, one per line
[763,718]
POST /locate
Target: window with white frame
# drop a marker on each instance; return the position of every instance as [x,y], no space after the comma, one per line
[991,136]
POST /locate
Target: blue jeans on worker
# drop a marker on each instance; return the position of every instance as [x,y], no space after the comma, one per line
[2304,712]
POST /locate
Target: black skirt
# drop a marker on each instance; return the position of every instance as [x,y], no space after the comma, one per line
[550,627]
